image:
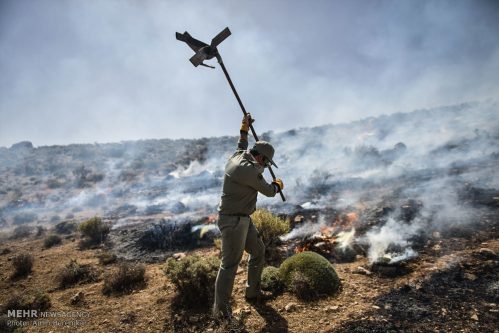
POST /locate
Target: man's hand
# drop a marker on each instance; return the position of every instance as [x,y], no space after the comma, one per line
[278,182]
[247,120]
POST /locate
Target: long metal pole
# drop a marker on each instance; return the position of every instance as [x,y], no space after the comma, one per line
[244,111]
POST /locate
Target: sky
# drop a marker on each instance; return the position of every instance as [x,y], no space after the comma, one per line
[108,71]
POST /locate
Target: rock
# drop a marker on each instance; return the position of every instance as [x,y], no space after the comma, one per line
[362,270]
[179,255]
[474,317]
[331,308]
[290,307]
[375,307]
[77,298]
[486,253]
[299,218]
[193,319]
[470,277]
[240,311]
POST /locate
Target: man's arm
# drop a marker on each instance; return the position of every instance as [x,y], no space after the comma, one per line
[255,180]
[242,144]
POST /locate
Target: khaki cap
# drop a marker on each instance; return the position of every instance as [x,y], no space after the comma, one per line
[265,149]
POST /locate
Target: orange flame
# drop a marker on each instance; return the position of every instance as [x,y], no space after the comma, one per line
[302,248]
[352,217]
[327,231]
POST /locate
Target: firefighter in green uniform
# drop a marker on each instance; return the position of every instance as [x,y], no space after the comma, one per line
[242,181]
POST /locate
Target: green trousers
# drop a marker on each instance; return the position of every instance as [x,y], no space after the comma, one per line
[238,234]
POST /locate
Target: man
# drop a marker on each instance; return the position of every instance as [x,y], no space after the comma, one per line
[242,181]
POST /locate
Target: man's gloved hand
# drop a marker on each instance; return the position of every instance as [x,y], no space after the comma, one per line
[278,182]
[247,120]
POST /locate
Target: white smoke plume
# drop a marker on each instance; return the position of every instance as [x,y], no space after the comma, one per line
[426,155]
[392,233]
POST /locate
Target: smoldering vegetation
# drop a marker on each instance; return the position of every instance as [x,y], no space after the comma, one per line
[405,176]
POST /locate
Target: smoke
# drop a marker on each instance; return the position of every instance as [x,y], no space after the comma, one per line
[307,229]
[428,156]
[393,233]
[345,239]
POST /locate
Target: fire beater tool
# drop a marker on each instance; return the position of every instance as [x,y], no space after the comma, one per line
[204,52]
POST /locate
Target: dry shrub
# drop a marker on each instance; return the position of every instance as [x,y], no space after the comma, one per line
[217,242]
[37,301]
[27,301]
[106,258]
[51,240]
[94,232]
[128,277]
[269,226]
[74,273]
[194,277]
[65,227]
[40,231]
[22,231]
[492,291]
[24,217]
[23,264]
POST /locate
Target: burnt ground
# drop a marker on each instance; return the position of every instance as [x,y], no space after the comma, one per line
[452,286]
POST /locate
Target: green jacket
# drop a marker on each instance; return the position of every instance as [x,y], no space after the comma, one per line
[242,181]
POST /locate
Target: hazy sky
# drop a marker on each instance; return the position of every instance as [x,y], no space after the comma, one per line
[105,71]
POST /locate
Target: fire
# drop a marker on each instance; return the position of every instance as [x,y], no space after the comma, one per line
[212,218]
[303,248]
[352,217]
[327,231]
[341,232]
[345,238]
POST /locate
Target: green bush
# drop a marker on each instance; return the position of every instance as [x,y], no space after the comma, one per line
[74,273]
[51,240]
[23,264]
[194,277]
[65,227]
[316,276]
[301,286]
[269,226]
[271,280]
[94,231]
[106,258]
[128,277]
